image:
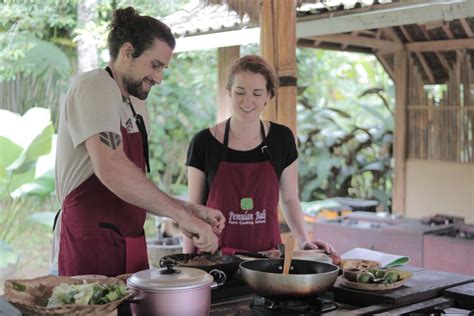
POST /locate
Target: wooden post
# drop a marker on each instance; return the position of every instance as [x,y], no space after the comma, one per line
[225,56]
[278,47]
[278,40]
[267,41]
[401,80]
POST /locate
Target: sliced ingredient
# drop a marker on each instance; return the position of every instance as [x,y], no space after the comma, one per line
[86,294]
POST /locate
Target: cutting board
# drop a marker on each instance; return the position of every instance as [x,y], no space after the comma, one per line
[423,285]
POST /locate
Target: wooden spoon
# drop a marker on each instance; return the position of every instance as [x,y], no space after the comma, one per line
[289,245]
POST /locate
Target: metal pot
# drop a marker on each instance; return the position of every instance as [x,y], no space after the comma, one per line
[306,278]
[173,291]
[225,263]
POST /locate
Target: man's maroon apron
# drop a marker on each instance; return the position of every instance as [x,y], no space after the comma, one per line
[100,233]
[247,194]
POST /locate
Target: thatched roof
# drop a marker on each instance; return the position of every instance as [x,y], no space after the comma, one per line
[251,8]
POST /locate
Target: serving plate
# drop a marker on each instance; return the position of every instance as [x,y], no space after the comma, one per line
[404,275]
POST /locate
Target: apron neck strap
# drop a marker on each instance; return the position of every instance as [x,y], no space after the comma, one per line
[140,125]
[226,138]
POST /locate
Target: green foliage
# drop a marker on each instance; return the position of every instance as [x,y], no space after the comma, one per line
[25,171]
[183,104]
[344,140]
[25,25]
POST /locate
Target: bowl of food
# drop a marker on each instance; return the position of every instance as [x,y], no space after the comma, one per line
[351,274]
[59,295]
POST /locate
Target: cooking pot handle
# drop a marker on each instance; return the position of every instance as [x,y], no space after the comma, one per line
[219,278]
[135,298]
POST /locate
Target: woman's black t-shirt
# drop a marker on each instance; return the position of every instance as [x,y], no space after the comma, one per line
[205,152]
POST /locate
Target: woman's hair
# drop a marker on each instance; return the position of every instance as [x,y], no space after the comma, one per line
[141,31]
[255,64]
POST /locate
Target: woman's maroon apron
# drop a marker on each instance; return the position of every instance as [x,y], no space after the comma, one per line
[247,194]
[100,233]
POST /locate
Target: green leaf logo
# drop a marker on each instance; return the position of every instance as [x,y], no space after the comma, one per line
[246,204]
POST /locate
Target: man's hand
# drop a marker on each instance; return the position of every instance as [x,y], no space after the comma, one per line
[201,233]
[211,216]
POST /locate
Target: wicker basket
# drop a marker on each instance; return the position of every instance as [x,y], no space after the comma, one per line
[31,296]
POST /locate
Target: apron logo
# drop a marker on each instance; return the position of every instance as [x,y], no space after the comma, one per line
[246,204]
[248,219]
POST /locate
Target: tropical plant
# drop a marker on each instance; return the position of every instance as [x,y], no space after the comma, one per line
[181,106]
[344,140]
[25,173]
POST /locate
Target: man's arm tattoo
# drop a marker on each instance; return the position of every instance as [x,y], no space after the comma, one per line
[110,139]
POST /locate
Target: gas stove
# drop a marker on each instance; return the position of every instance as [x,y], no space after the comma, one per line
[262,306]
[427,292]
[450,249]
[259,306]
[441,219]
[459,231]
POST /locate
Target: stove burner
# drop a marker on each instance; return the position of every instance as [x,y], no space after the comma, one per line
[458,233]
[440,219]
[304,307]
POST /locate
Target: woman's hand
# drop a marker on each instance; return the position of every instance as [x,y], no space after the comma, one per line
[318,244]
[321,244]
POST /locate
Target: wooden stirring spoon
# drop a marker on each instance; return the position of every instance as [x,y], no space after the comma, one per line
[289,245]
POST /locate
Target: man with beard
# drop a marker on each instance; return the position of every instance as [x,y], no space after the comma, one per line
[102,157]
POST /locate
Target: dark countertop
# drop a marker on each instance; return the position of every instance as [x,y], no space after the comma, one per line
[425,288]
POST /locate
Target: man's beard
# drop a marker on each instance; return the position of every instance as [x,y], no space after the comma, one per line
[135,88]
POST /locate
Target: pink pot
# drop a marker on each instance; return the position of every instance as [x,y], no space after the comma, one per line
[173,291]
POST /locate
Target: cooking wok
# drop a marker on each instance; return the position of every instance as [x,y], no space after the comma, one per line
[226,263]
[306,278]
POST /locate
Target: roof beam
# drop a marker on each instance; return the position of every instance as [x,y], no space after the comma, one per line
[344,46]
[406,13]
[345,39]
[219,39]
[386,65]
[310,43]
[447,30]
[438,46]
[466,27]
[420,57]
[391,33]
[441,58]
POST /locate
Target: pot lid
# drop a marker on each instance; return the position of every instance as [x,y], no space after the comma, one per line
[160,279]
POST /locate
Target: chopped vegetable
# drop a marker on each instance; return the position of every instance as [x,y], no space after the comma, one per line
[86,294]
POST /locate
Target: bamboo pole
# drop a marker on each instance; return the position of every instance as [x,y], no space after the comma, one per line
[400,151]
[469,107]
[278,38]
[267,39]
[225,56]
[278,47]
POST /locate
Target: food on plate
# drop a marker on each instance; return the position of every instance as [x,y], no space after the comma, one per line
[86,294]
[365,277]
[376,276]
[359,264]
[391,276]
